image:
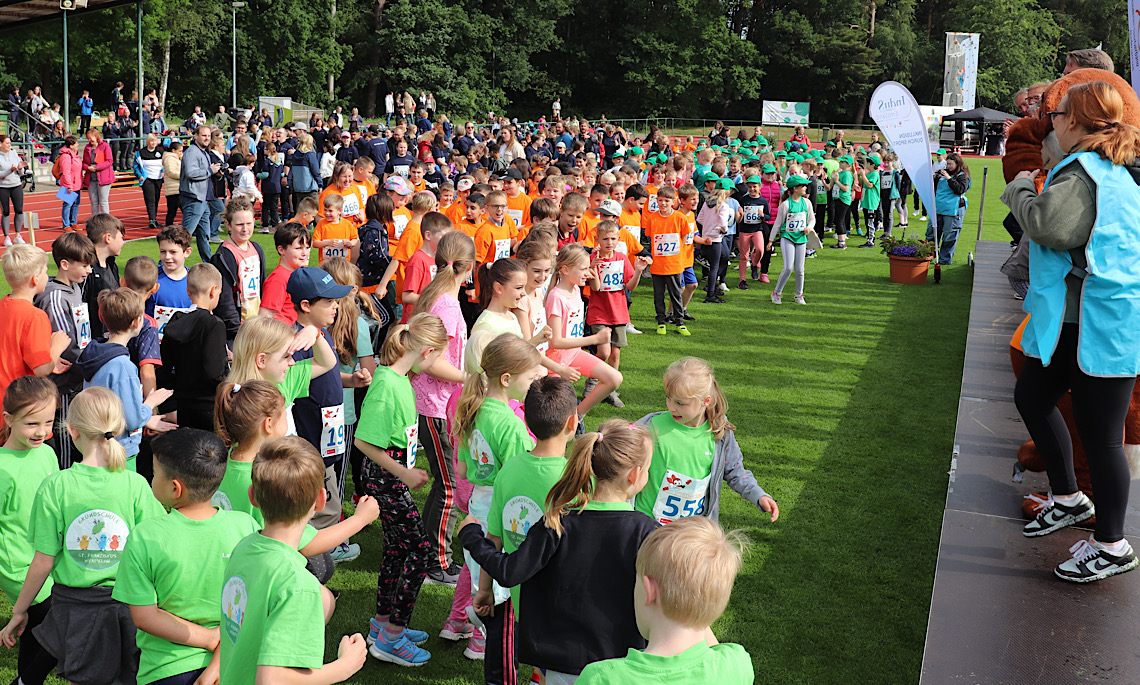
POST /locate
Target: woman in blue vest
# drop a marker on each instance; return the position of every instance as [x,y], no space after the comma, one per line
[950,186]
[1083,333]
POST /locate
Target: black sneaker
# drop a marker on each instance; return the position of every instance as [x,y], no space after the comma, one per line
[1056,516]
[702,261]
[838,246]
[869,243]
[1092,561]
[440,576]
[743,285]
[687,317]
[755,273]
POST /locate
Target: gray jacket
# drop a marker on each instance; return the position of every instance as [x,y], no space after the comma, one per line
[728,465]
[195,172]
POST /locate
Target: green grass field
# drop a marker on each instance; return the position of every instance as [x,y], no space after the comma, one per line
[845,411]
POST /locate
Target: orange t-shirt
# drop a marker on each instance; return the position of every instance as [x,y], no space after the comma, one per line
[410,242]
[417,187]
[666,236]
[588,228]
[455,211]
[631,221]
[341,230]
[627,244]
[366,187]
[25,340]
[353,209]
[492,243]
[518,208]
[469,228]
[400,220]
[687,252]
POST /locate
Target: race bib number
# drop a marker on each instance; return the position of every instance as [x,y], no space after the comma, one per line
[753,214]
[796,222]
[412,433]
[634,230]
[666,244]
[82,318]
[691,234]
[517,215]
[400,222]
[835,192]
[162,316]
[611,275]
[250,290]
[680,496]
[332,431]
[502,248]
[886,181]
[328,253]
[652,205]
[575,322]
[401,169]
[351,205]
[537,321]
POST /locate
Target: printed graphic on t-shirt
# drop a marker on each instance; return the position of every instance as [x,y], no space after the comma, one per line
[482,455]
[222,501]
[234,598]
[95,539]
[680,496]
[519,514]
[248,275]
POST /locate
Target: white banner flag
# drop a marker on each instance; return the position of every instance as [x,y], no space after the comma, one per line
[898,116]
[1134,41]
[777,112]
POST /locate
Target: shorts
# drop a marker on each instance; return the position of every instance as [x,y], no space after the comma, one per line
[579,359]
[689,276]
[617,333]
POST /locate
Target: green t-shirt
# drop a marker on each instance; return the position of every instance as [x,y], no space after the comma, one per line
[20,476]
[498,435]
[363,349]
[271,611]
[89,512]
[519,500]
[388,415]
[723,664]
[178,564]
[296,383]
[846,178]
[680,471]
[233,495]
[871,191]
[795,222]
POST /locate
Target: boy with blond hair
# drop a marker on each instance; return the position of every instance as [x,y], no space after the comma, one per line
[685,572]
[27,345]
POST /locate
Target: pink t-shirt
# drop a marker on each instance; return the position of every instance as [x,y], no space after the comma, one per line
[432,394]
[569,308]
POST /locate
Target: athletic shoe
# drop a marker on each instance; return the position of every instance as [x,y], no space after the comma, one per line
[345,552]
[800,299]
[810,254]
[838,246]
[775,297]
[476,647]
[1056,516]
[764,278]
[265,230]
[7,241]
[661,330]
[713,300]
[1092,561]
[456,630]
[591,383]
[743,285]
[869,243]
[416,637]
[685,317]
[20,239]
[755,273]
[683,331]
[702,261]
[400,651]
[614,399]
[924,218]
[631,330]
[216,241]
[914,213]
[904,224]
[443,576]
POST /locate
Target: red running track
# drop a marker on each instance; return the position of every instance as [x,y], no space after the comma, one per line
[126,203]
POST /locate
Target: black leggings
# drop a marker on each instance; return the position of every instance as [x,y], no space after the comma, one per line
[34,663]
[172,203]
[1100,406]
[152,190]
[841,217]
[16,195]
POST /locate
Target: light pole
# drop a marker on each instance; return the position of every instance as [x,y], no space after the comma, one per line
[236,7]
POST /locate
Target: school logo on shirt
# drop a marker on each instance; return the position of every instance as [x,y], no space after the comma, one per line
[234,598]
[95,539]
[222,501]
[482,455]
[519,514]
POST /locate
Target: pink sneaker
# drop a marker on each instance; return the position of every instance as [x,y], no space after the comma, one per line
[476,647]
[764,278]
[456,630]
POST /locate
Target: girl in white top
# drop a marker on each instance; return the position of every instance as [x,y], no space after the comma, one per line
[502,285]
[794,219]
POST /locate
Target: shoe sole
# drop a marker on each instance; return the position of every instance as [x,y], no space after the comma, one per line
[432,581]
[474,656]
[341,561]
[1063,523]
[454,637]
[393,659]
[1100,576]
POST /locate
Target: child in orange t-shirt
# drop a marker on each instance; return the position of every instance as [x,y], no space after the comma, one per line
[688,199]
[494,240]
[458,208]
[518,202]
[421,266]
[411,240]
[570,214]
[27,345]
[335,236]
[666,230]
[598,194]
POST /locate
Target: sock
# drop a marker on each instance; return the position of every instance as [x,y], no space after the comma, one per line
[392,632]
[1117,548]
[1067,500]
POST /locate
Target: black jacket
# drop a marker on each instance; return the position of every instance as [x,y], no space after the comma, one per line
[193,358]
[229,305]
[577,588]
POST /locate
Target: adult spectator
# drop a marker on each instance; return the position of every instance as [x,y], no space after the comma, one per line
[11,188]
[1080,292]
[431,104]
[241,128]
[222,120]
[14,104]
[564,136]
[98,171]
[266,119]
[116,97]
[319,132]
[377,147]
[389,108]
[196,189]
[1033,97]
[509,147]
[838,141]
[39,103]
[409,104]
[57,136]
[337,117]
[556,108]
[218,181]
[86,108]
[128,133]
[110,134]
[1088,59]
[304,169]
[171,175]
[355,120]
[800,140]
[467,140]
[150,158]
[158,122]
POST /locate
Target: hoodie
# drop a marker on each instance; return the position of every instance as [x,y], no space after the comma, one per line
[108,365]
[68,313]
[193,362]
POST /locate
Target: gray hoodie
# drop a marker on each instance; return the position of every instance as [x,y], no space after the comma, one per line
[62,303]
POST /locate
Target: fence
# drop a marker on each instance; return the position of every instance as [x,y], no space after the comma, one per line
[702,127]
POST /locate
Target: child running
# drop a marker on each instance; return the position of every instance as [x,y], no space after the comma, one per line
[794,219]
[569,618]
[609,305]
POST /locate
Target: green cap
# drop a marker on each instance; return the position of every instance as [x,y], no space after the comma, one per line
[636,151]
[795,180]
[941,151]
[619,154]
[761,140]
[860,150]
[830,143]
[768,168]
[710,176]
[756,179]
[725,184]
[781,153]
[847,158]
[875,160]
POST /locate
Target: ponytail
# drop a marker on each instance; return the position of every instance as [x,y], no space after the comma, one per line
[26,394]
[422,331]
[454,255]
[500,272]
[470,401]
[507,353]
[601,457]
[568,256]
[97,414]
[239,409]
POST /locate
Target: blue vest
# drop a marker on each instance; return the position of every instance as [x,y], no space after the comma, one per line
[946,201]
[1109,341]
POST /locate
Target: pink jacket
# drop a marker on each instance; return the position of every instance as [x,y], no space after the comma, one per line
[105,173]
[72,168]
[770,191]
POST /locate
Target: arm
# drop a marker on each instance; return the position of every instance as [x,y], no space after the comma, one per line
[412,477]
[34,582]
[227,309]
[445,371]
[1061,217]
[959,183]
[741,479]
[351,656]
[560,342]
[324,358]
[511,569]
[215,365]
[148,377]
[163,624]
[367,510]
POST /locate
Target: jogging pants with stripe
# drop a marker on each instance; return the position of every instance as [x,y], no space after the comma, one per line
[499,664]
[439,508]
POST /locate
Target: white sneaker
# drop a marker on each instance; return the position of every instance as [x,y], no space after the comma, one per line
[914,213]
[723,288]
[631,330]
[20,239]
[775,297]
[800,299]
[7,241]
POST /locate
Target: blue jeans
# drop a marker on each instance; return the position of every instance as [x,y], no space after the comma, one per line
[70,212]
[946,228]
[195,221]
[217,207]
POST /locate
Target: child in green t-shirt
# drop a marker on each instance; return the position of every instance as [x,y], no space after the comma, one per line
[172,570]
[841,183]
[263,350]
[685,573]
[81,519]
[272,620]
[794,219]
[872,197]
[695,449]
[26,460]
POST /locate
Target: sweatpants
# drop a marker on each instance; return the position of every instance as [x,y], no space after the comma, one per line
[673,284]
[500,666]
[1100,406]
[406,547]
[439,508]
[751,249]
[173,202]
[60,440]
[766,258]
[793,256]
[33,662]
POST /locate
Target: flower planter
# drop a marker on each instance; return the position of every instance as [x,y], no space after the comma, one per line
[909,270]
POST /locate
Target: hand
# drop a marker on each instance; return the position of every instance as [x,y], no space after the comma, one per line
[361,378]
[545,334]
[215,167]
[604,336]
[61,366]
[484,603]
[304,339]
[91,167]
[159,425]
[60,341]
[157,397]
[643,262]
[353,651]
[210,676]
[468,520]
[768,505]
[367,509]
[1031,175]
[14,629]
[414,478]
[768,247]
[570,373]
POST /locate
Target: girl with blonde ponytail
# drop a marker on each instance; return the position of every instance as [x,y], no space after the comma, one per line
[81,519]
[577,566]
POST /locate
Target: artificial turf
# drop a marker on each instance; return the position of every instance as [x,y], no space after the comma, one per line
[845,411]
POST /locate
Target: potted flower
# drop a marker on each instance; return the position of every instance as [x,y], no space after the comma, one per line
[910,258]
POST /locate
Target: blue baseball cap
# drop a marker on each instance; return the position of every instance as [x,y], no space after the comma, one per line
[310,283]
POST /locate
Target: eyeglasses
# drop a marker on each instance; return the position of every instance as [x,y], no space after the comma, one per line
[1054,113]
[497,206]
[1033,100]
